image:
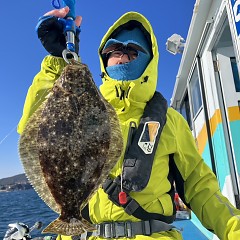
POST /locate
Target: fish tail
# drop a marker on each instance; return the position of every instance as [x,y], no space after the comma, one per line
[73,228]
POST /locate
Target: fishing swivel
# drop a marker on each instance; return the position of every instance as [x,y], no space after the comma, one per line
[69,30]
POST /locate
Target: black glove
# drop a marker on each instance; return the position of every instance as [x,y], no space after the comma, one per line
[50,31]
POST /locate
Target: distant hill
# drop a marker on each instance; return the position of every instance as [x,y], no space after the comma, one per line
[14,183]
[14,179]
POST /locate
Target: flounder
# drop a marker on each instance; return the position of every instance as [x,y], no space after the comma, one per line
[68,147]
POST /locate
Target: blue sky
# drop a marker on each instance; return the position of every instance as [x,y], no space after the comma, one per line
[22,53]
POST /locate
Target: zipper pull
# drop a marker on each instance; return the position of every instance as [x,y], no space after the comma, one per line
[131,132]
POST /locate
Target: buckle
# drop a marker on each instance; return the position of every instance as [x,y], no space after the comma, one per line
[129,231]
[146,227]
[131,207]
[99,229]
[109,185]
[108,230]
[120,230]
[111,230]
[115,230]
[111,188]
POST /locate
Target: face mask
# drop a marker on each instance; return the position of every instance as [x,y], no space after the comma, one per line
[131,70]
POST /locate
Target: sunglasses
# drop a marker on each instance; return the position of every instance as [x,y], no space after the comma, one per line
[117,50]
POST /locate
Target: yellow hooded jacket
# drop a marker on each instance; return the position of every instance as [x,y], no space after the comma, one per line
[129,98]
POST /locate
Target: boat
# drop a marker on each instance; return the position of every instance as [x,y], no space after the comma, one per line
[207,92]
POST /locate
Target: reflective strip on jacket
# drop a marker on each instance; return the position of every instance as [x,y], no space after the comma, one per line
[200,185]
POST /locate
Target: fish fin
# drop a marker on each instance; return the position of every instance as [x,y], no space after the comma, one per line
[73,228]
[89,226]
[29,155]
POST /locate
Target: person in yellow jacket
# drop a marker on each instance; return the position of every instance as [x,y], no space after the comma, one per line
[129,63]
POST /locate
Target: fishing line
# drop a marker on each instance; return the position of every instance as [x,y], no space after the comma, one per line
[9,133]
[15,127]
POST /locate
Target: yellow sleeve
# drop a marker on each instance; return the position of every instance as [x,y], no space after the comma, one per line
[232,231]
[62,237]
[201,188]
[51,69]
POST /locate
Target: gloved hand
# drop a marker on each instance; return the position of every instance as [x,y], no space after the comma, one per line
[50,31]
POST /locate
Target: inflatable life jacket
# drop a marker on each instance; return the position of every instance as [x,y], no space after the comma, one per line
[138,160]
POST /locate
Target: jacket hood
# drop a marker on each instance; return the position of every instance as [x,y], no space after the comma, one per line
[122,94]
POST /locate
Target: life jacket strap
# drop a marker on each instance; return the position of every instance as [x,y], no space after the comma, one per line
[110,230]
[132,207]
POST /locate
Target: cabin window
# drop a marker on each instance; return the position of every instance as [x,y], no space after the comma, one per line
[185,110]
[235,73]
[195,92]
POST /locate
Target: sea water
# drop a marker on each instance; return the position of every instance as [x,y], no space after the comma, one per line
[26,207]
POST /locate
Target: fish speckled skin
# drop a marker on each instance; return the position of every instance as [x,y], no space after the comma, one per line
[69,146]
